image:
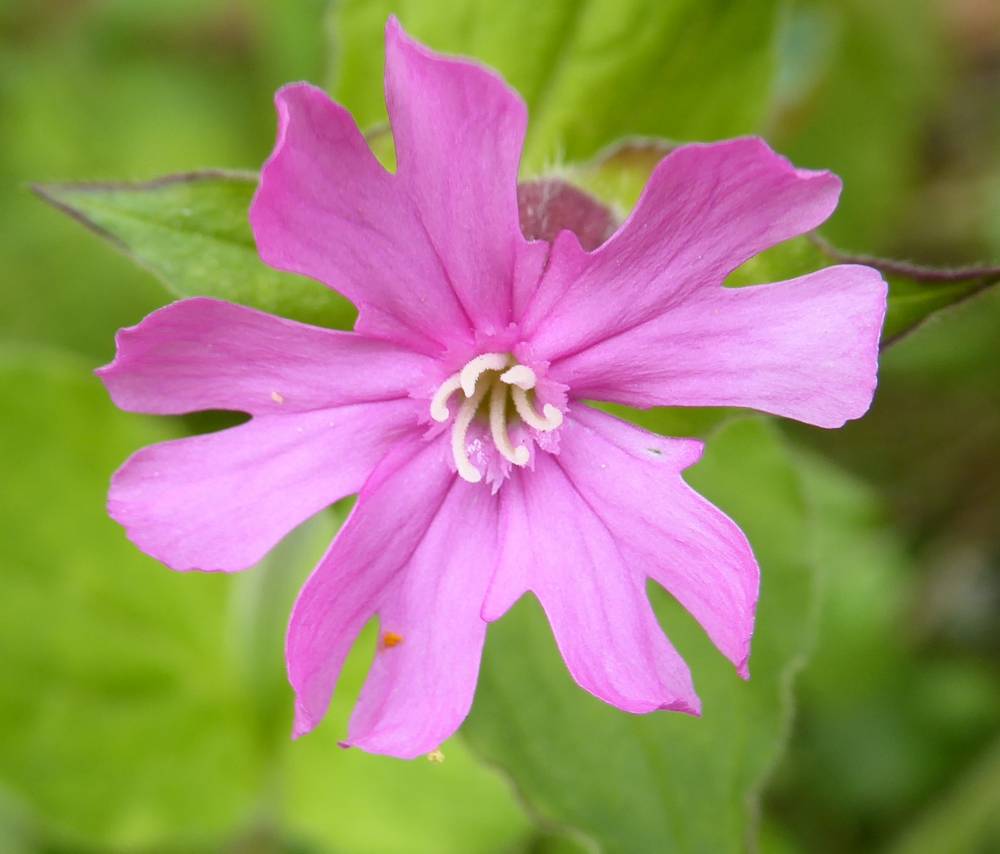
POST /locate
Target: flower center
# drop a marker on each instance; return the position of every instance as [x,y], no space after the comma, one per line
[490,382]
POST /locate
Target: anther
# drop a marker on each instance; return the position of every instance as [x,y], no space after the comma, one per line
[486,362]
[550,418]
[520,375]
[520,455]
[439,403]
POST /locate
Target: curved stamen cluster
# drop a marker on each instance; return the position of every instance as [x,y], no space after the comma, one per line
[496,377]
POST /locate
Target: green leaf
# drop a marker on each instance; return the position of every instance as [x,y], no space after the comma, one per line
[191,231]
[664,782]
[590,72]
[911,303]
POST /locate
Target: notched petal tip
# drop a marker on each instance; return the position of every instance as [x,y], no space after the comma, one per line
[764,151]
[107,373]
[292,102]
[822,186]
[499,600]
[398,41]
[286,99]
[286,90]
[686,706]
[132,342]
[304,722]
[870,305]
[678,455]
[123,511]
[396,37]
[688,703]
[394,29]
[385,744]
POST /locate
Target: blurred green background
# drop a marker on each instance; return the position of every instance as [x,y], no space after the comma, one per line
[145,711]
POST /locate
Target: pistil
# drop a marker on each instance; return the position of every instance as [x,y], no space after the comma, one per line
[498,426]
[439,403]
[476,367]
[550,418]
[459,429]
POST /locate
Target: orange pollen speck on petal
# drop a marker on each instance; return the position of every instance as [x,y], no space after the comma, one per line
[391,639]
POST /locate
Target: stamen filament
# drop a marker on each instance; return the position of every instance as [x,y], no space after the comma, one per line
[520,455]
[520,375]
[486,362]
[439,403]
[459,429]
[550,418]
[492,375]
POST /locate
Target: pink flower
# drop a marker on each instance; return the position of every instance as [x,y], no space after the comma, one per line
[456,407]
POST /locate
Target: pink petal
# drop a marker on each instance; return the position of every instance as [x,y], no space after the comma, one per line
[394,512]
[420,689]
[432,253]
[662,527]
[326,208]
[554,543]
[207,354]
[705,210]
[459,130]
[219,502]
[806,349]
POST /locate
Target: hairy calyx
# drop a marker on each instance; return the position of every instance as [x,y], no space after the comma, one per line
[500,387]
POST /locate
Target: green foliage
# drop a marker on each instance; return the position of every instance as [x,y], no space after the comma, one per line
[967,819]
[851,98]
[589,72]
[192,232]
[879,729]
[913,302]
[664,782]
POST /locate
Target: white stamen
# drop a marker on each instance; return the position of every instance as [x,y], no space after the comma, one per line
[485,362]
[467,411]
[550,418]
[439,403]
[504,377]
[520,455]
[520,375]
